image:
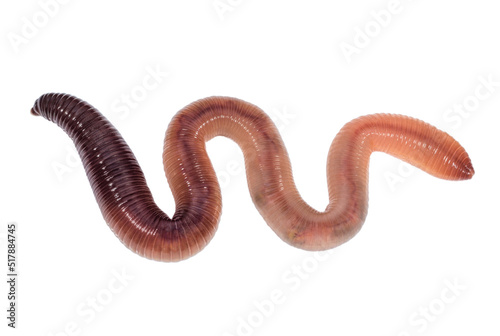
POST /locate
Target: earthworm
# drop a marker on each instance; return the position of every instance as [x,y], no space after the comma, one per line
[127,205]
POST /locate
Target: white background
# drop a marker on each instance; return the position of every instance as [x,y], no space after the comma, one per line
[286,57]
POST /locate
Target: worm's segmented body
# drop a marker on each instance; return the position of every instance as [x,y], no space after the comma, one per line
[128,207]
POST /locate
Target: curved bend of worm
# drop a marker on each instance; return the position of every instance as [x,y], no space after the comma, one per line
[128,207]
